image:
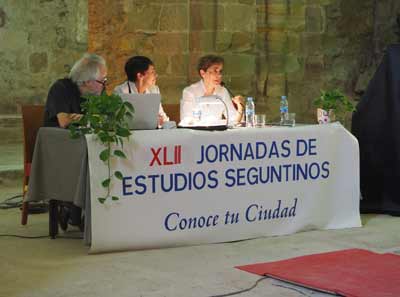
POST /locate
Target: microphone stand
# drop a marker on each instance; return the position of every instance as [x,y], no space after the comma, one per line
[223,84]
[226,109]
[220,99]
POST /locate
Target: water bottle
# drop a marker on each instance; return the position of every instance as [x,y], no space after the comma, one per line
[250,111]
[284,108]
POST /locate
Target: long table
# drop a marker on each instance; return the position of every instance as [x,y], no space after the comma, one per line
[184,187]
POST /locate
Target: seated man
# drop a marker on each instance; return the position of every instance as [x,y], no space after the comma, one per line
[210,70]
[88,76]
[141,79]
[63,105]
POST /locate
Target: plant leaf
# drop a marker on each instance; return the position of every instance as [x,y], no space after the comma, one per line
[105,183]
[118,175]
[129,106]
[101,200]
[120,154]
[105,155]
[114,198]
[123,132]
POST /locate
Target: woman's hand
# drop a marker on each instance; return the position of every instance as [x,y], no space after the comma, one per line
[239,102]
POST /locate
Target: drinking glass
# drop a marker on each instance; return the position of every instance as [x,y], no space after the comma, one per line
[290,119]
[260,120]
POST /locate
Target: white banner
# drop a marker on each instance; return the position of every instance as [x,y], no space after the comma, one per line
[184,187]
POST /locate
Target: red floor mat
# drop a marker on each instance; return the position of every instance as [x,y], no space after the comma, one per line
[353,272]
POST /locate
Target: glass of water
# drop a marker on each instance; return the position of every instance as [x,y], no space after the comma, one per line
[290,119]
[260,120]
[196,114]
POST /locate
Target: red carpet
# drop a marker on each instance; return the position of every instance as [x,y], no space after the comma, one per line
[353,272]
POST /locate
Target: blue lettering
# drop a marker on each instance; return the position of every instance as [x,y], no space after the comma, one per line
[177,177]
[248,210]
[229,177]
[249,152]
[199,183]
[211,159]
[241,176]
[140,184]
[126,186]
[286,148]
[312,147]
[252,176]
[213,180]
[153,182]
[301,147]
[325,169]
[273,150]
[261,150]
[166,221]
[316,171]
[223,152]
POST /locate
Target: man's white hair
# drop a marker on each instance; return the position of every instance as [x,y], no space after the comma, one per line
[87,68]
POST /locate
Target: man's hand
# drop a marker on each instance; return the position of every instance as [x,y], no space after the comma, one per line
[64,119]
[75,116]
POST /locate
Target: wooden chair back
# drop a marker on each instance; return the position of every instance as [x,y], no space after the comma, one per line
[32,120]
[173,111]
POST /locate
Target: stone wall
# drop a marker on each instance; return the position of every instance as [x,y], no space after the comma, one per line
[271,47]
[39,41]
[174,34]
[309,45]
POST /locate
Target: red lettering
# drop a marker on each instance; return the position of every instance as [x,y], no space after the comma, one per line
[166,162]
[155,156]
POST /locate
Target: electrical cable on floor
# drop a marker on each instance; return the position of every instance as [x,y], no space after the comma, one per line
[36,237]
[34,207]
[241,291]
[9,203]
[291,288]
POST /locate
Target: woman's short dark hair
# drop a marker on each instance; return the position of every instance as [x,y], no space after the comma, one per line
[209,60]
[135,65]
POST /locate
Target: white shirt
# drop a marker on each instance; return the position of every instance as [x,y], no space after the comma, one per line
[130,88]
[197,90]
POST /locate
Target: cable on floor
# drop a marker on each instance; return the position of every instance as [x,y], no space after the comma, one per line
[36,237]
[242,291]
[10,203]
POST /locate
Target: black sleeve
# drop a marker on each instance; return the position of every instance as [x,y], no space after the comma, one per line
[58,100]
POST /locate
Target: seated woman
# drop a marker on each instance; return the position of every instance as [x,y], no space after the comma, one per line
[210,70]
[142,77]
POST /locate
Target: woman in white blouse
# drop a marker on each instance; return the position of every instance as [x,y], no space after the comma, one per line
[210,70]
[142,78]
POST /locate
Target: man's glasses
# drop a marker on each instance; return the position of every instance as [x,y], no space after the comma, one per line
[103,82]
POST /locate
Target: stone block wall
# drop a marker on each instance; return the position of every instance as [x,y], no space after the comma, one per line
[174,34]
[39,41]
[271,47]
[308,45]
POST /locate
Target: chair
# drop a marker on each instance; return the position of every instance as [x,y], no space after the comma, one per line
[32,120]
[172,111]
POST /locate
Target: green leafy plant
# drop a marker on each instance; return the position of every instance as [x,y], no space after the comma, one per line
[334,100]
[105,117]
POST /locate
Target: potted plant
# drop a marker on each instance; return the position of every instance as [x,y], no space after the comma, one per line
[105,117]
[332,104]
